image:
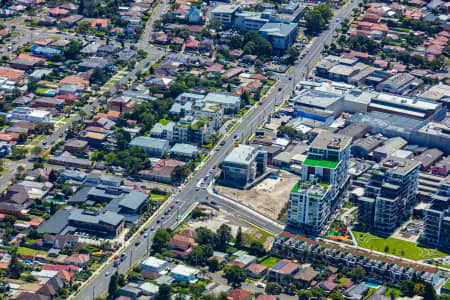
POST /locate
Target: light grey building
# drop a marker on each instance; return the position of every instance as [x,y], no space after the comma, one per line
[280,35]
[184,151]
[242,165]
[399,84]
[320,100]
[230,104]
[226,14]
[152,146]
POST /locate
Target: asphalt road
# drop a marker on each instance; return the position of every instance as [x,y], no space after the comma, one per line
[189,194]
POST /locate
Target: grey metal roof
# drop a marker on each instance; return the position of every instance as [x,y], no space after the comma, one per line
[56,223]
[133,200]
[222,98]
[278,29]
[184,148]
[147,142]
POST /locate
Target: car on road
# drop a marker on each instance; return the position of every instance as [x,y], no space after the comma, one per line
[158,221]
[107,274]
[214,167]
[145,235]
[172,206]
[260,285]
[153,228]
[213,202]
[197,188]
[137,243]
[222,143]
[45,147]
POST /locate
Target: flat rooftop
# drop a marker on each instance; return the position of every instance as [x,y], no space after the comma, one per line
[332,141]
[242,154]
[397,165]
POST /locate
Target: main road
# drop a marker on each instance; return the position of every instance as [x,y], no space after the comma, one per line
[190,194]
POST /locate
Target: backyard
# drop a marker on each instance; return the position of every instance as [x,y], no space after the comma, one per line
[395,246]
[270,262]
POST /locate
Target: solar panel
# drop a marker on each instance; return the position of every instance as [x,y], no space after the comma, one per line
[279,265]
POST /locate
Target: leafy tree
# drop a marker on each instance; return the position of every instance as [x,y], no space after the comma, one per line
[292,53]
[180,173]
[223,237]
[53,176]
[85,27]
[197,289]
[213,264]
[36,150]
[32,85]
[164,292]
[160,240]
[273,288]
[238,240]
[196,213]
[205,236]
[317,17]
[358,273]
[215,24]
[257,249]
[245,98]
[304,295]
[72,50]
[113,287]
[236,41]
[337,295]
[235,275]
[98,76]
[407,288]
[22,137]
[429,292]
[177,88]
[15,267]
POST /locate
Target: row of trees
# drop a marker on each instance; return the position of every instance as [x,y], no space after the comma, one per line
[317,18]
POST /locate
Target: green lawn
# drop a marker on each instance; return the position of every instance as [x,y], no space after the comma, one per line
[393,291]
[28,251]
[371,290]
[343,281]
[270,262]
[396,246]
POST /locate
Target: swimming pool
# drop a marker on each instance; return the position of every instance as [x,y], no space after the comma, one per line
[371,285]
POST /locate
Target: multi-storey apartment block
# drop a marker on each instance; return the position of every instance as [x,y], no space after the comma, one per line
[437,218]
[324,177]
[390,195]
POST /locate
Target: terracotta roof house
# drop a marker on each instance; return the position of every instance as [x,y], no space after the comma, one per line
[100,24]
[238,294]
[281,269]
[76,80]
[256,270]
[181,245]
[47,290]
[4,33]
[58,12]
[80,260]
[191,45]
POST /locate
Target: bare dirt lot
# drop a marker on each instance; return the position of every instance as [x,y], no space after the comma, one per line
[249,232]
[268,197]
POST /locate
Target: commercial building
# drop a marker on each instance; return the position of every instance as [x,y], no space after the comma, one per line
[152,146]
[314,199]
[156,265]
[242,165]
[280,35]
[104,223]
[226,14]
[319,100]
[400,84]
[408,107]
[390,195]
[437,218]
